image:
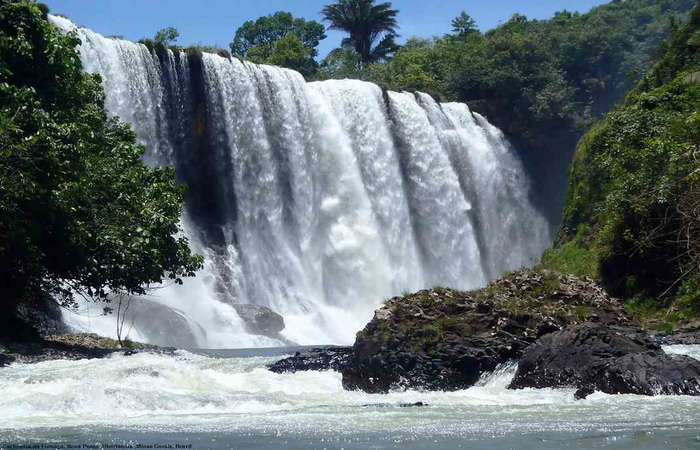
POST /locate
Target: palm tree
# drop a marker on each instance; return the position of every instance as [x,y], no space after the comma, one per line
[365,22]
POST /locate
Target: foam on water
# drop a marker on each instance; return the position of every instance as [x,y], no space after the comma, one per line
[194,392]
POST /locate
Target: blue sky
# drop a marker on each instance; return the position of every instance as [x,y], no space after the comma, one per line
[215,21]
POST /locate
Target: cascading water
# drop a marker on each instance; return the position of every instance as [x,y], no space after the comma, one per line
[319,199]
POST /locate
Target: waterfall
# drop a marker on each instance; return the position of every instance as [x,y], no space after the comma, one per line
[318,200]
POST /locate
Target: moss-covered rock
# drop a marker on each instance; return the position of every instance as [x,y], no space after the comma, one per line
[444,339]
[71,346]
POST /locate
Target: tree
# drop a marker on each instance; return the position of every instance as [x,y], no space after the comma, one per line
[341,63]
[166,36]
[80,214]
[366,23]
[464,25]
[291,53]
[415,67]
[261,35]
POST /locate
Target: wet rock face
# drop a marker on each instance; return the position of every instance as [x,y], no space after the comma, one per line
[442,339]
[43,316]
[6,360]
[160,324]
[331,358]
[260,319]
[615,360]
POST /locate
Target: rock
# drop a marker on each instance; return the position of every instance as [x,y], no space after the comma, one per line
[160,324]
[685,334]
[615,360]
[684,338]
[71,346]
[44,316]
[260,319]
[443,339]
[330,358]
[392,405]
[693,78]
[6,360]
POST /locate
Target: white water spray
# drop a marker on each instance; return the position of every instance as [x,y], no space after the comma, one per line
[320,199]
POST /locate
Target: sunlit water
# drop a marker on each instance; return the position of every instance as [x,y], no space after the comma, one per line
[230,400]
[317,200]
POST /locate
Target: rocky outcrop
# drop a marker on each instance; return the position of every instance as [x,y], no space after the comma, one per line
[43,316]
[683,334]
[260,319]
[70,346]
[160,324]
[328,358]
[443,339]
[166,326]
[615,360]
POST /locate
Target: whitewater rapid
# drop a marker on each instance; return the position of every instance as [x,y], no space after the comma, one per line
[226,397]
[318,200]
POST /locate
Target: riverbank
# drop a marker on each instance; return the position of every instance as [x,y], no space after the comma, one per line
[74,346]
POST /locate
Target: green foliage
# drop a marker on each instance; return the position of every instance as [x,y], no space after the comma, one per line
[280,39]
[582,312]
[634,178]
[576,256]
[288,52]
[166,36]
[665,316]
[410,69]
[543,82]
[689,294]
[642,307]
[266,31]
[464,25]
[79,212]
[340,64]
[371,27]
[44,8]
[198,49]
[163,39]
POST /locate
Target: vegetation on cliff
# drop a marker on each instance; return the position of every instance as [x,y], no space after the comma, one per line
[541,81]
[79,211]
[631,216]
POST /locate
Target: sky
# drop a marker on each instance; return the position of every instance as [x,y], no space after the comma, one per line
[214,22]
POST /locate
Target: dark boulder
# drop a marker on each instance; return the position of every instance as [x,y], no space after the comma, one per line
[6,360]
[43,316]
[260,319]
[443,339]
[395,405]
[615,360]
[330,358]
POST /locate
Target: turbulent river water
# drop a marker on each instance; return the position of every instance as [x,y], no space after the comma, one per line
[229,400]
[317,200]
